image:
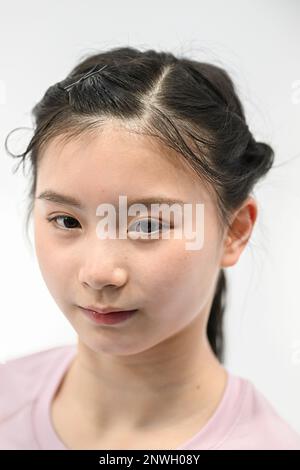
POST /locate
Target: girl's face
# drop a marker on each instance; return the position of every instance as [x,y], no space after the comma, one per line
[171,287]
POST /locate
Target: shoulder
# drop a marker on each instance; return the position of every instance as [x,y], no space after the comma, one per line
[22,378]
[259,425]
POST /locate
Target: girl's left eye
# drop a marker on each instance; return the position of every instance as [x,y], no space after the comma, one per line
[55,218]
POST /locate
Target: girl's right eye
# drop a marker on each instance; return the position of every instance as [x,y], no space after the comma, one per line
[55,218]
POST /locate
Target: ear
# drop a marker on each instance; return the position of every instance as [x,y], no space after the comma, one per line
[239,232]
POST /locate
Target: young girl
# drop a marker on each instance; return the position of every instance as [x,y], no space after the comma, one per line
[154,128]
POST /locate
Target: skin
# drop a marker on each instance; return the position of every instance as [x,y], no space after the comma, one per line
[151,382]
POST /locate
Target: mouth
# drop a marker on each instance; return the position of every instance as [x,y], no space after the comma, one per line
[108,318]
[106,310]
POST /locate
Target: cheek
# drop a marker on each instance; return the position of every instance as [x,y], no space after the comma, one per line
[51,262]
[179,277]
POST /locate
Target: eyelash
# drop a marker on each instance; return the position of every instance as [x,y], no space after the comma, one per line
[54,219]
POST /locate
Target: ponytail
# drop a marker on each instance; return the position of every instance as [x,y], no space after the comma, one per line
[215,320]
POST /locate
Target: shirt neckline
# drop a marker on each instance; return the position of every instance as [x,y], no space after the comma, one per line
[209,436]
[223,419]
[45,434]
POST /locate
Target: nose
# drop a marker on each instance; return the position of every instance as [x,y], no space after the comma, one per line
[101,267]
[102,275]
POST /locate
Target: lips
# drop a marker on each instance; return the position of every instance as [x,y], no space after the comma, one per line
[108,318]
[106,310]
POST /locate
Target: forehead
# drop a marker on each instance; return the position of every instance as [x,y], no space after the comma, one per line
[115,160]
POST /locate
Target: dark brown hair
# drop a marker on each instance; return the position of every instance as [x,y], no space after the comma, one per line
[190,106]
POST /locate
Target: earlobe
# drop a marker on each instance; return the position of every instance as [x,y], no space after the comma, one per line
[232,251]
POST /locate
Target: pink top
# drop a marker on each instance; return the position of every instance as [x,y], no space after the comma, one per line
[244,418]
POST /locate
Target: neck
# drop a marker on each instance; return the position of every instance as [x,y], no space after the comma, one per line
[172,382]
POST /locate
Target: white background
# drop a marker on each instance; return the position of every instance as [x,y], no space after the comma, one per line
[258,42]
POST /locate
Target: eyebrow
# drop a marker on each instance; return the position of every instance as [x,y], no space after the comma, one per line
[66,200]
